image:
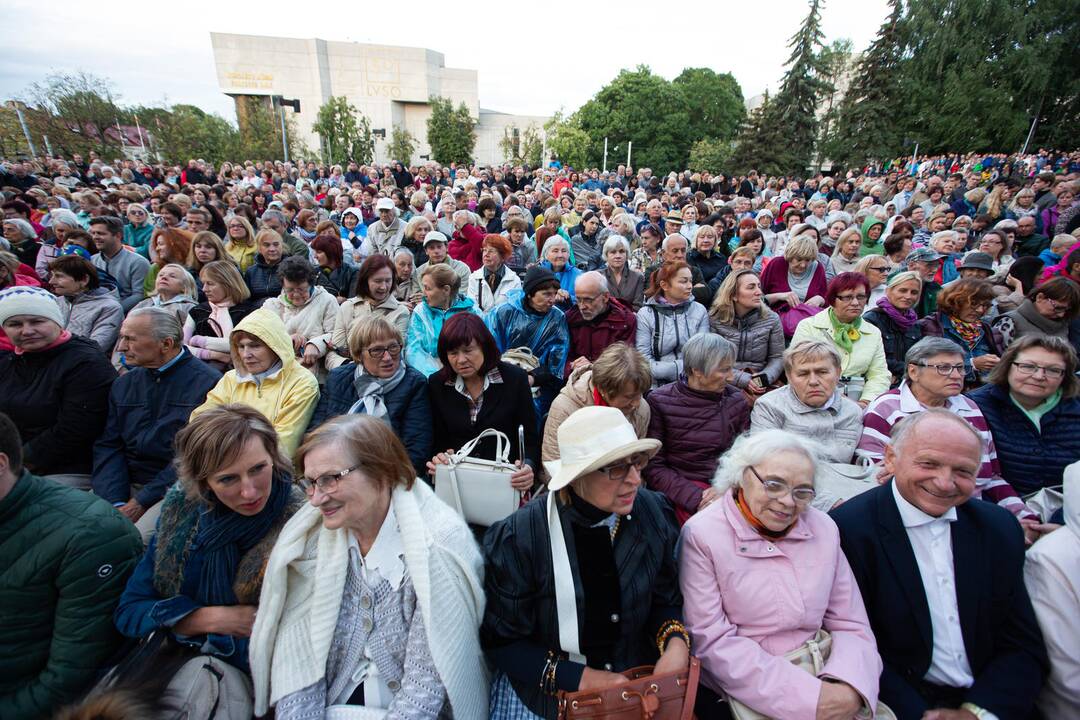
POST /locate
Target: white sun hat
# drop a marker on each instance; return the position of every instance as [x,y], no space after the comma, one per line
[591,438]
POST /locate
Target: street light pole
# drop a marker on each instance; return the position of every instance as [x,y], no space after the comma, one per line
[284,138]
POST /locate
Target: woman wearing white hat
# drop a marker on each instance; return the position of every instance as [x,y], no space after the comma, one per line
[570,609]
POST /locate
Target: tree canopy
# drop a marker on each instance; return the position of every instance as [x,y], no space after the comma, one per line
[345,132]
[450,132]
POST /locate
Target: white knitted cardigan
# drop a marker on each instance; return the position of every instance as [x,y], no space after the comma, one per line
[305,579]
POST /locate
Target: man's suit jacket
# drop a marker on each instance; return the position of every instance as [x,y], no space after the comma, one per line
[1001,636]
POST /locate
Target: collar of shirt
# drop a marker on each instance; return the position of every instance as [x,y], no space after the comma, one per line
[912,516]
[802,408]
[493,376]
[909,404]
[166,366]
[385,555]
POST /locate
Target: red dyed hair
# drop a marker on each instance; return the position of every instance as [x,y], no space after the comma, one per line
[369,267]
[331,247]
[664,274]
[843,282]
[459,331]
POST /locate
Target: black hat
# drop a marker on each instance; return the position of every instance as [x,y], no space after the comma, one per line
[537,276]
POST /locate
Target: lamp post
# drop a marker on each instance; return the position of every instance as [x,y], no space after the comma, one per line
[281,102]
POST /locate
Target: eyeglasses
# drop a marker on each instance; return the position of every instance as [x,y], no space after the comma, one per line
[325,483]
[1031,368]
[618,471]
[777,489]
[878,268]
[945,369]
[851,298]
[376,353]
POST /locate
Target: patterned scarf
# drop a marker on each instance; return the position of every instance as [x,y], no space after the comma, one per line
[371,390]
[845,334]
[970,332]
[223,539]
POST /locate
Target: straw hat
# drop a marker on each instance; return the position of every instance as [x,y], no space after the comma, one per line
[591,438]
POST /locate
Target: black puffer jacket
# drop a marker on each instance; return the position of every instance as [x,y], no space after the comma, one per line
[59,400]
[896,340]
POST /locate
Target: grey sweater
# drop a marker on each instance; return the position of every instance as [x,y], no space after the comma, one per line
[834,431]
[129,270]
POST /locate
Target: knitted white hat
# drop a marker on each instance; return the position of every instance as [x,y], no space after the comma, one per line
[29,300]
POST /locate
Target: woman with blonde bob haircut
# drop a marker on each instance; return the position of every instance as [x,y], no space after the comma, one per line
[373,594]
[737,591]
[202,573]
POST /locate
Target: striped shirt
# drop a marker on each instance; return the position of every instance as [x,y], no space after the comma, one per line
[890,408]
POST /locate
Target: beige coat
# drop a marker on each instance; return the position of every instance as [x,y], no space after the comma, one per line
[576,394]
[347,315]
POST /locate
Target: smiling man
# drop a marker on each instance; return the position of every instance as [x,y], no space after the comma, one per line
[941,576]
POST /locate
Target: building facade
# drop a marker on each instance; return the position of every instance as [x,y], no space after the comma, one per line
[390,85]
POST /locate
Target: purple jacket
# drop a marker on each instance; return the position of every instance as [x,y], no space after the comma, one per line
[748,600]
[695,428]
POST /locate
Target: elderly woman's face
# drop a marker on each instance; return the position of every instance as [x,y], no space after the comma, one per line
[557,255]
[814,380]
[169,282]
[31,333]
[380,283]
[849,304]
[243,485]
[973,311]
[404,266]
[1036,374]
[615,487]
[382,357]
[798,266]
[616,258]
[12,233]
[787,468]
[356,502]
[256,355]
[466,360]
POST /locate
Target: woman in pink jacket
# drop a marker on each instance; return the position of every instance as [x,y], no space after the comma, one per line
[762,573]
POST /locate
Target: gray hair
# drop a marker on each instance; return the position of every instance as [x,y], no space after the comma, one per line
[928,347]
[812,350]
[705,352]
[275,215]
[63,216]
[555,241]
[616,241]
[676,236]
[25,228]
[405,251]
[941,235]
[903,429]
[836,215]
[164,324]
[751,448]
[595,276]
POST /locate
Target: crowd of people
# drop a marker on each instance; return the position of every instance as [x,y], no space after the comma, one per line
[820,434]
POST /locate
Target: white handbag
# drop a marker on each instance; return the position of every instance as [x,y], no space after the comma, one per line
[479,490]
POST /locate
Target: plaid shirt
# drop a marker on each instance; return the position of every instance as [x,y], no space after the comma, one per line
[892,407]
[493,376]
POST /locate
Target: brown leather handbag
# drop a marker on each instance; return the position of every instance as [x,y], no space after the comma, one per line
[646,697]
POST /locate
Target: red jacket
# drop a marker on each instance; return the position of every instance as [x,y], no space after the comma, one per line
[467,246]
[589,339]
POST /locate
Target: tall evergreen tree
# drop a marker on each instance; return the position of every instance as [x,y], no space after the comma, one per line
[795,107]
[760,144]
[867,127]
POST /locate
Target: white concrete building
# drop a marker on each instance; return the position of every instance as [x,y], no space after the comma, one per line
[390,85]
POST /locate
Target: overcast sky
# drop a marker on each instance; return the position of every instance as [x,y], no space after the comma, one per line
[529,62]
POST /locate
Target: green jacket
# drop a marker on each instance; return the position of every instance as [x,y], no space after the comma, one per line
[68,555]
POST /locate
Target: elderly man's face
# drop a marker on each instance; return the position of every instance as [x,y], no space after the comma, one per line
[936,466]
[139,346]
[591,301]
[814,380]
[675,250]
[1025,226]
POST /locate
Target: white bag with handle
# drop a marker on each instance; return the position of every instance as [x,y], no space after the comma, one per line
[479,490]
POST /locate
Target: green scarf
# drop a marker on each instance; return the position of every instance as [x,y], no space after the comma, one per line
[845,334]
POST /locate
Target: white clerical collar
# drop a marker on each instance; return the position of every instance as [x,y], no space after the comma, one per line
[912,516]
[386,553]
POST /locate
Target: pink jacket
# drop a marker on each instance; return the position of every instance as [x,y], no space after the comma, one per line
[748,601]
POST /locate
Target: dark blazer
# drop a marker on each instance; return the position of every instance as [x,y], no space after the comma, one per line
[407,409]
[1001,636]
[506,406]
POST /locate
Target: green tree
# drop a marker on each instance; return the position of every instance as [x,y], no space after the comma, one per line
[450,132]
[74,110]
[344,132]
[182,132]
[795,107]
[568,141]
[711,155]
[835,62]
[402,145]
[530,148]
[714,101]
[760,143]
[644,108]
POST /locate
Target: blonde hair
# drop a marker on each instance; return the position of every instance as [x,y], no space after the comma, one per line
[803,247]
[367,330]
[723,305]
[444,276]
[228,276]
[851,231]
[249,238]
[621,368]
